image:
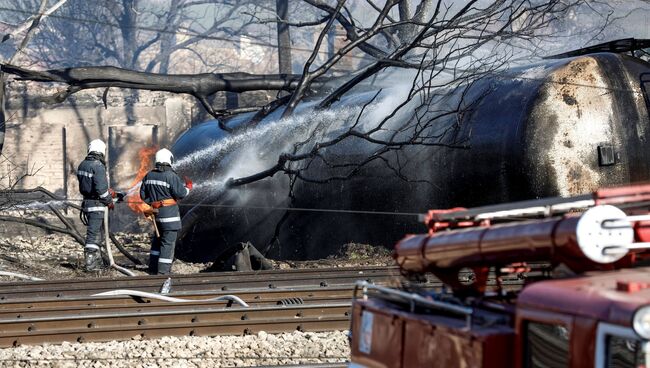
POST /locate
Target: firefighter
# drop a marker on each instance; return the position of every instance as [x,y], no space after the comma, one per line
[161,189]
[93,186]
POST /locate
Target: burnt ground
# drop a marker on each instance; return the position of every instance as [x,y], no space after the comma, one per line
[57,256]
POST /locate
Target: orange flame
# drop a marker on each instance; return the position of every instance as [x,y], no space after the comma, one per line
[134,201]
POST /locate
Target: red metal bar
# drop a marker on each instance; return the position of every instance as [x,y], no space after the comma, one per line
[453,218]
[554,240]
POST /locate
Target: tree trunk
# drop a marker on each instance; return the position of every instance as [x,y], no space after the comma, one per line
[2,111]
[128,23]
[196,84]
[284,38]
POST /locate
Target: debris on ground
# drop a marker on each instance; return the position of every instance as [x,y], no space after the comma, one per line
[57,256]
[349,255]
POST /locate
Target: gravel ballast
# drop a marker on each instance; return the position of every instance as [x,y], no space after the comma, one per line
[220,351]
[57,256]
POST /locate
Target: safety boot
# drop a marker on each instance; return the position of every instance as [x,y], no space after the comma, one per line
[153,266]
[164,268]
[93,260]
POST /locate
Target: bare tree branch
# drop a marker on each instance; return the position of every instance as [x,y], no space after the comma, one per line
[32,22]
[43,225]
[307,75]
[9,201]
[198,85]
[349,28]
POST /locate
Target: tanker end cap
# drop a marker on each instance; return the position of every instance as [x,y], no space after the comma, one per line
[600,243]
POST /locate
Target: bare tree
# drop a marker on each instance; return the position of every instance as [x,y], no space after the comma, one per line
[135,34]
[447,46]
[30,26]
[441,51]
[16,203]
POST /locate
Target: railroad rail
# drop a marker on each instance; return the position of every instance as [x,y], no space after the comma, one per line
[200,282]
[265,297]
[176,321]
[36,312]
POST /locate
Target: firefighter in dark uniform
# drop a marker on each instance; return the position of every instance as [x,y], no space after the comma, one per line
[93,185]
[161,189]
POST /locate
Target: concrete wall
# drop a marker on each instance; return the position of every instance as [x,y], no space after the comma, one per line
[50,141]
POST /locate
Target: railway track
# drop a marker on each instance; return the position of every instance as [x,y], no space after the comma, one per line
[36,312]
[223,281]
[289,296]
[176,321]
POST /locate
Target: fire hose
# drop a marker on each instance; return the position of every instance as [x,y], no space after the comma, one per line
[20,276]
[120,247]
[144,294]
[109,251]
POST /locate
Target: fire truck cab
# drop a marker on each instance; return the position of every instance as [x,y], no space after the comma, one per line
[550,283]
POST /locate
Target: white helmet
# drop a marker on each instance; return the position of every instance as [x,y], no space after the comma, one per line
[164,156]
[98,146]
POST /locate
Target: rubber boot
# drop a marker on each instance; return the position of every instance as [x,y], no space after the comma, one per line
[93,260]
[154,254]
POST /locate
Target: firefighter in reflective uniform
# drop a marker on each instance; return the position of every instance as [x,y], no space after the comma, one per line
[161,188]
[93,185]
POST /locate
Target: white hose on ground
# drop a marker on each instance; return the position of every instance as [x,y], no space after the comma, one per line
[20,276]
[144,294]
[109,252]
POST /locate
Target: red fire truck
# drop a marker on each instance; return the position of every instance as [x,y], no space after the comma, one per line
[556,282]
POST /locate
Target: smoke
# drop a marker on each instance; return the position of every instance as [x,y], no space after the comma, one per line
[380,101]
[254,150]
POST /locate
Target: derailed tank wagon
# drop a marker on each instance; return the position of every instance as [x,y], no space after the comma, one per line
[557,128]
[596,314]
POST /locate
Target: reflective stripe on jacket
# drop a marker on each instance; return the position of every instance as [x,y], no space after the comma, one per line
[163,183]
[93,183]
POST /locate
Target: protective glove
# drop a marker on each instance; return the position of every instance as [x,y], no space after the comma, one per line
[111,206]
[120,196]
[188,183]
[117,196]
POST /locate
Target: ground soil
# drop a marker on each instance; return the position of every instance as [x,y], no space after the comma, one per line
[57,256]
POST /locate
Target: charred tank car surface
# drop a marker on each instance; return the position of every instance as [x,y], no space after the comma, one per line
[558,128]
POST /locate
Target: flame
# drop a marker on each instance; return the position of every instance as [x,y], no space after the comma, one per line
[133,199]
